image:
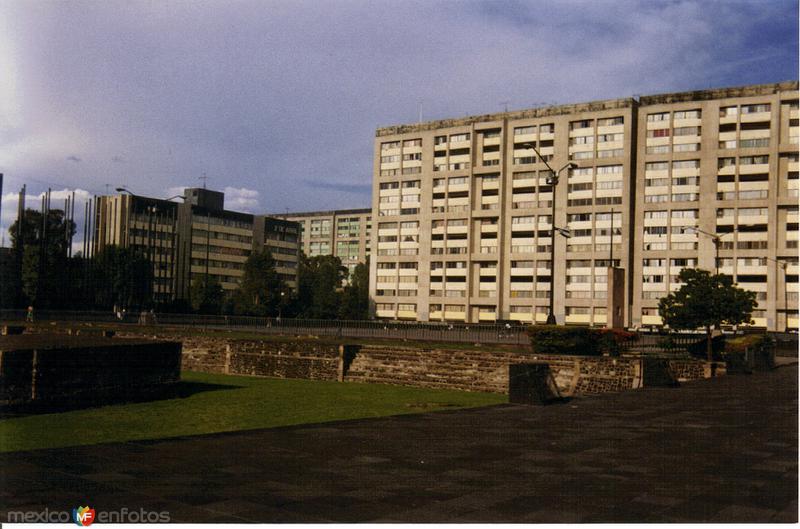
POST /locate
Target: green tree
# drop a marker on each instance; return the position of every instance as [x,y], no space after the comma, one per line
[121,277]
[262,291]
[319,286]
[707,301]
[207,296]
[355,297]
[44,278]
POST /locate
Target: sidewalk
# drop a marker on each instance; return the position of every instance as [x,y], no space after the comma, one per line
[721,450]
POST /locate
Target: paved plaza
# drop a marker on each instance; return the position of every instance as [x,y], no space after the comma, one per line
[722,450]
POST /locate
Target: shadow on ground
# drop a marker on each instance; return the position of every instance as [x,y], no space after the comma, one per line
[180,390]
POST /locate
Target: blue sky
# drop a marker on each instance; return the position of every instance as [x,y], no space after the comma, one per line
[277,102]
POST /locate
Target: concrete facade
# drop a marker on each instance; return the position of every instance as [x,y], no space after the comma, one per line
[198,237]
[462,207]
[345,233]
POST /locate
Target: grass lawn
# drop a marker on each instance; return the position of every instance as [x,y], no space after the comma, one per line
[210,403]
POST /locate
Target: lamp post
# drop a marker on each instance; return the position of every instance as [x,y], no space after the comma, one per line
[174,252]
[784,265]
[128,243]
[552,180]
[127,214]
[715,237]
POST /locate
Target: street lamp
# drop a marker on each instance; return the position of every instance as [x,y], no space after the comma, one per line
[784,265]
[715,237]
[127,214]
[174,252]
[552,181]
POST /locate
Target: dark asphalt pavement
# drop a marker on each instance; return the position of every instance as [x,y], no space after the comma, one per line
[722,450]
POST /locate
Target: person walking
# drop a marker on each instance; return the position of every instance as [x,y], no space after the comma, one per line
[29,315]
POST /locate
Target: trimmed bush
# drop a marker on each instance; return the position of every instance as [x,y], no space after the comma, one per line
[753,351]
[698,348]
[612,341]
[582,341]
[753,342]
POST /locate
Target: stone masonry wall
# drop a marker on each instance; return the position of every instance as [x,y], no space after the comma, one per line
[686,370]
[50,376]
[465,370]
[488,370]
[284,359]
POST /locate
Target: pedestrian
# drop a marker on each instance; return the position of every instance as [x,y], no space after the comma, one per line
[29,316]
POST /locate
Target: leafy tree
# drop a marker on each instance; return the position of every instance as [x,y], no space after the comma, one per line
[122,277]
[706,300]
[262,292]
[320,281]
[207,296]
[44,278]
[355,297]
[9,279]
[56,231]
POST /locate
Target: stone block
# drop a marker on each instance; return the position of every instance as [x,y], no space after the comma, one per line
[657,372]
[531,383]
[75,372]
[9,330]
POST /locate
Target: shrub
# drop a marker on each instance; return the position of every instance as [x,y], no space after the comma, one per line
[698,348]
[761,349]
[583,341]
[753,342]
[559,339]
[612,341]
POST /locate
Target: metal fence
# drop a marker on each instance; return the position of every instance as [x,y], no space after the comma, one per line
[647,343]
[394,330]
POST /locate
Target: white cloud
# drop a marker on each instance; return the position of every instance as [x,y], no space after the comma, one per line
[10,205]
[174,191]
[241,199]
[133,81]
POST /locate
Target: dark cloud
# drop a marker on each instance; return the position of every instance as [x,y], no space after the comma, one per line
[356,189]
[283,97]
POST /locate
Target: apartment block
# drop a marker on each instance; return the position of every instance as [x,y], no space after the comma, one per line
[345,233]
[719,169]
[194,239]
[148,226]
[463,208]
[282,239]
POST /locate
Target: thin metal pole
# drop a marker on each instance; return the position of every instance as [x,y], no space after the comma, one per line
[611,242]
[85,228]
[785,265]
[551,317]
[1,195]
[72,220]
[208,239]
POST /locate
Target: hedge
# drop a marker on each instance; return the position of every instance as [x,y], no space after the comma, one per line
[699,348]
[582,341]
[753,342]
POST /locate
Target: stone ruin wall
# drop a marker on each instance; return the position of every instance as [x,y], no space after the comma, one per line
[465,370]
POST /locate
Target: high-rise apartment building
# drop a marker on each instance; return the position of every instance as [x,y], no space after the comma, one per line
[462,208]
[194,239]
[344,233]
[148,226]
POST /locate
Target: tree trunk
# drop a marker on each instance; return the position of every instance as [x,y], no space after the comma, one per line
[709,349]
